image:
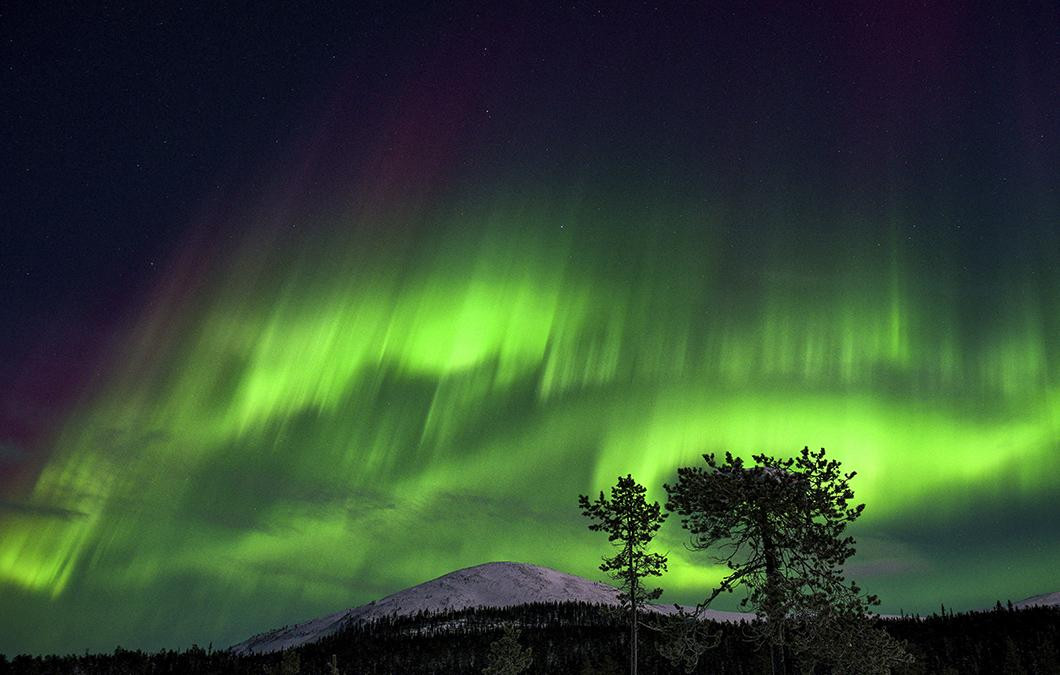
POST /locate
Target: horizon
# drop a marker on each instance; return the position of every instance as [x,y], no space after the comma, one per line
[307,304]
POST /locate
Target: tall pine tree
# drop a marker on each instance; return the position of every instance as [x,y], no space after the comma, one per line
[630,523]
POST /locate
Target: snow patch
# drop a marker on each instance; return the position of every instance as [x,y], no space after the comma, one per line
[1045,600]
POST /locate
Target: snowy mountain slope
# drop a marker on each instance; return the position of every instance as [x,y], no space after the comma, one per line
[497,584]
[1045,600]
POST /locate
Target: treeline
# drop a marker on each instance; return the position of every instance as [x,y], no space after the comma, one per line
[582,638]
[1004,640]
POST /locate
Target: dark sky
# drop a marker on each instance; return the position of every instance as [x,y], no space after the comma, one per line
[434,238]
[119,121]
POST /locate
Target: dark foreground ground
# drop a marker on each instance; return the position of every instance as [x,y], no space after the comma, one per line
[577,638]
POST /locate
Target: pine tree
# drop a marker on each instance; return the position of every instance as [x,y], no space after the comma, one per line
[291,663]
[507,656]
[778,527]
[630,523]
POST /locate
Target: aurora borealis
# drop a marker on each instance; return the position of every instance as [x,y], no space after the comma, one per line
[496,264]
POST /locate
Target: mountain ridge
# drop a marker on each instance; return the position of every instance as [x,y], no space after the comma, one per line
[494,584]
[1043,600]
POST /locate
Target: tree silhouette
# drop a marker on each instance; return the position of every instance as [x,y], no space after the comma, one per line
[291,663]
[778,527]
[630,523]
[684,639]
[507,656]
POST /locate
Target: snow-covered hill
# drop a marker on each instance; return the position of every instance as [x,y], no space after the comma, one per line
[1046,600]
[497,584]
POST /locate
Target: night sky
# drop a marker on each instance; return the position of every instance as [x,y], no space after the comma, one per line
[304,305]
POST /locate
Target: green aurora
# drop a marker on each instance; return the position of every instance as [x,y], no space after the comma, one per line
[329,416]
[426,273]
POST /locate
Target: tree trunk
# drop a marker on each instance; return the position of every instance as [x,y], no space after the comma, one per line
[633,642]
[632,617]
[774,603]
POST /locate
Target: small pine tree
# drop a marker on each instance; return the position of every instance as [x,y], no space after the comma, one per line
[631,523]
[507,656]
[1012,663]
[291,663]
